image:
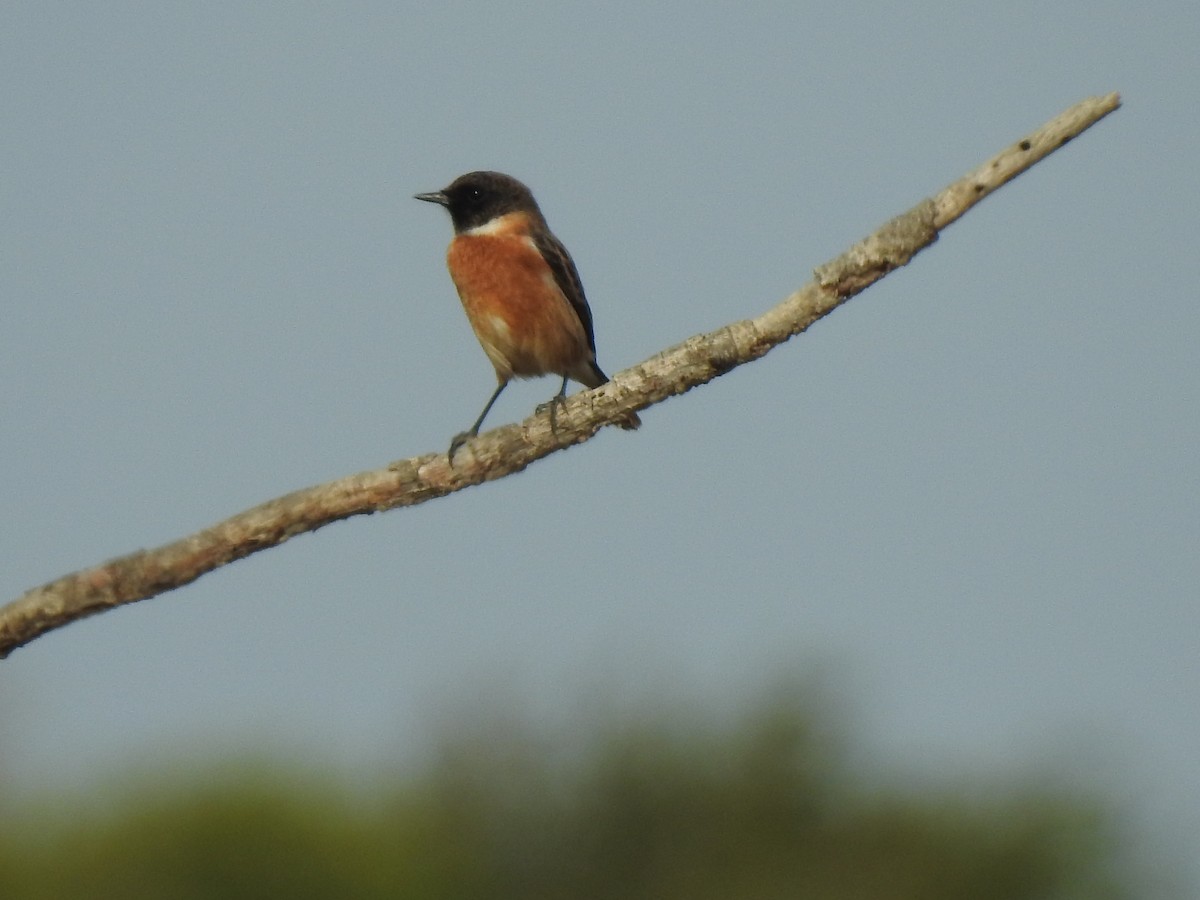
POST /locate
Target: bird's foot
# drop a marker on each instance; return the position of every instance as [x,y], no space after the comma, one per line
[551,406]
[459,439]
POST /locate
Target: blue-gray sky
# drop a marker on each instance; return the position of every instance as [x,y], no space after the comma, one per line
[970,495]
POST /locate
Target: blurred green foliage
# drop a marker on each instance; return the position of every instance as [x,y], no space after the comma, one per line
[756,810]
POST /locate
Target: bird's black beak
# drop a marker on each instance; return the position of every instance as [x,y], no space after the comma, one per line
[438,197]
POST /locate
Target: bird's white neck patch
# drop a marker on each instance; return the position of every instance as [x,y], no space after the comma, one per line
[499,225]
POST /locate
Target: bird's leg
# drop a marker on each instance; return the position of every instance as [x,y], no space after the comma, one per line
[552,405]
[462,437]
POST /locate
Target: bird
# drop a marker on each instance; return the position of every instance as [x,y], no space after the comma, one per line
[520,289]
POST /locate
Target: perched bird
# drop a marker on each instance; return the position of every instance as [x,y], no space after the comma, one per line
[519,287]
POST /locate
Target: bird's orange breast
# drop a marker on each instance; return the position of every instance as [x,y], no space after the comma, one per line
[518,313]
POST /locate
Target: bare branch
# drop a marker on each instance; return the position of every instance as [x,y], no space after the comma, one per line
[511,448]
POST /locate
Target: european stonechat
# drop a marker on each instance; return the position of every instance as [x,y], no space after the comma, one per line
[519,287]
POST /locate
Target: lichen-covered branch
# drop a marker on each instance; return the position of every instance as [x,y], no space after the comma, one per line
[511,448]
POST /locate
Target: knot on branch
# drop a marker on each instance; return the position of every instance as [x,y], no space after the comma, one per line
[891,247]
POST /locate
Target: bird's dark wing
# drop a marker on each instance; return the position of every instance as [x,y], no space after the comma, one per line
[567,279]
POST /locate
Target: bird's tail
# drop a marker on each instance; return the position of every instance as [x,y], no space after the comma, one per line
[596,377]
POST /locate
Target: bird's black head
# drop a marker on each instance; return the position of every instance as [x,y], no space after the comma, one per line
[476,198]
